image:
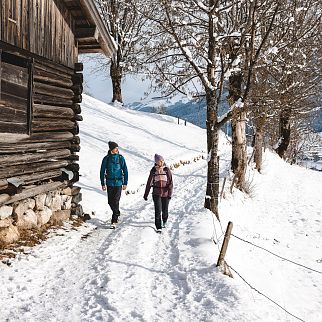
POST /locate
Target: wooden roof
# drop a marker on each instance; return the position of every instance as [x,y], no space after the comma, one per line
[90,31]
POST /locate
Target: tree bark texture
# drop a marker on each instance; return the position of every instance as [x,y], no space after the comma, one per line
[258,143]
[212,191]
[238,124]
[239,154]
[116,76]
[285,133]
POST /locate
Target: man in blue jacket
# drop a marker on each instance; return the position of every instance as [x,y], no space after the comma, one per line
[114,177]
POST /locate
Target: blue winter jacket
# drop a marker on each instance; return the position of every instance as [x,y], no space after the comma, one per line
[113,170]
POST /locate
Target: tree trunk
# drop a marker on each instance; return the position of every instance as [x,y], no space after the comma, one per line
[239,152]
[258,143]
[238,124]
[116,76]
[285,133]
[212,192]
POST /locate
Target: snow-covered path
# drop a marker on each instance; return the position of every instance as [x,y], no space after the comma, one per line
[133,274]
[130,274]
[140,275]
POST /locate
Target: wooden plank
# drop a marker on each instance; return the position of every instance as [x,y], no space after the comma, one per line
[77,99]
[77,108]
[0,58]
[14,74]
[11,100]
[36,177]
[86,33]
[47,124]
[53,111]
[14,89]
[51,100]
[78,67]
[51,137]
[25,25]
[32,146]
[10,114]
[77,89]
[1,20]
[18,41]
[17,170]
[31,21]
[27,193]
[43,77]
[89,50]
[78,78]
[12,127]
[30,97]
[56,91]
[78,118]
[6,160]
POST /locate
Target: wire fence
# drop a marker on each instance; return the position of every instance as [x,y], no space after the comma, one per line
[281,257]
[267,297]
[218,239]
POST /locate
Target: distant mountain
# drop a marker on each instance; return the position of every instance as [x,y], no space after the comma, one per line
[186,110]
[195,111]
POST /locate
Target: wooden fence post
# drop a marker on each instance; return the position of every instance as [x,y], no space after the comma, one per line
[224,246]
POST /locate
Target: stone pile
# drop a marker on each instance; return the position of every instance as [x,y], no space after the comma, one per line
[48,208]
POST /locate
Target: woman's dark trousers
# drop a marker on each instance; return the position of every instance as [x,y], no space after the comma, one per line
[113,196]
[160,206]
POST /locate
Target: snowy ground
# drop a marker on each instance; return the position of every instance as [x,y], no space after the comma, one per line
[134,274]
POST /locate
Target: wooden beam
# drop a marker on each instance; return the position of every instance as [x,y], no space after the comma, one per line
[35,177]
[12,171]
[48,124]
[39,60]
[77,108]
[89,50]
[51,137]
[86,33]
[78,78]
[14,127]
[78,67]
[8,160]
[31,146]
[51,100]
[43,78]
[31,192]
[52,90]
[53,111]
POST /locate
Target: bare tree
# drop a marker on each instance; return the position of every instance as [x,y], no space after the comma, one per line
[246,26]
[287,81]
[125,24]
[199,46]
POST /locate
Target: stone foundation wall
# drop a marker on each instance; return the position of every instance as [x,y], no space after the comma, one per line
[51,208]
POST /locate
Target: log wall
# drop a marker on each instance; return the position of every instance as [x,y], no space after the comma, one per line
[43,27]
[48,152]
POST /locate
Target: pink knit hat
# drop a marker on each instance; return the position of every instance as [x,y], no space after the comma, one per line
[158,158]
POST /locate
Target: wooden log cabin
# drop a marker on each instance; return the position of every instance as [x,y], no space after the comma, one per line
[40,91]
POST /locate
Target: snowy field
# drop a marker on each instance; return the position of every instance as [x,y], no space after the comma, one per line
[134,274]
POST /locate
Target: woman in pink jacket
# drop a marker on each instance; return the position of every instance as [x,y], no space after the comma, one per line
[160,179]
